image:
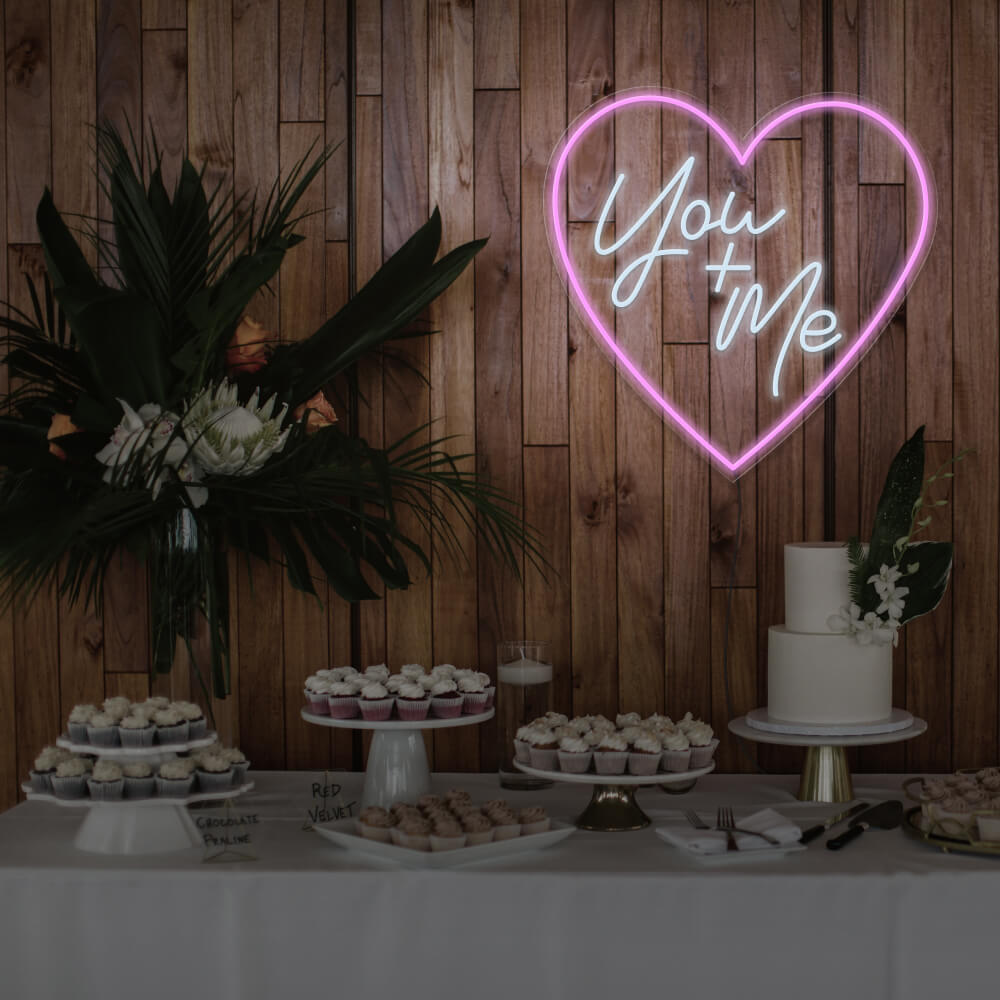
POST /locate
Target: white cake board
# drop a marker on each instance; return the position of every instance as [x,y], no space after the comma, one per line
[899,719]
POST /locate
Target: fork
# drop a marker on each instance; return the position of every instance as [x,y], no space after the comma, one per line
[695,820]
[725,820]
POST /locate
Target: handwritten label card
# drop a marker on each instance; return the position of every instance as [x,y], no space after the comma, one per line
[328,803]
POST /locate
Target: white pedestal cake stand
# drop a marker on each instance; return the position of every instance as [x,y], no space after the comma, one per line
[138,826]
[397,762]
[612,806]
[825,774]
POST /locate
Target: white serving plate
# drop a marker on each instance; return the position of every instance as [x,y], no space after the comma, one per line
[397,725]
[725,857]
[896,721]
[592,778]
[343,832]
[119,752]
[154,801]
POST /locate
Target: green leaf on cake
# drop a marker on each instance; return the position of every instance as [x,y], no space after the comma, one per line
[928,584]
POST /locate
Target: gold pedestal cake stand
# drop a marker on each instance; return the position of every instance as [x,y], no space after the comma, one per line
[612,807]
[825,775]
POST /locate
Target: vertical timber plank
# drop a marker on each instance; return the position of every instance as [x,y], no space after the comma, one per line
[497,48]
[778,54]
[881,79]
[368,46]
[301,61]
[164,14]
[338,97]
[164,111]
[740,669]
[210,90]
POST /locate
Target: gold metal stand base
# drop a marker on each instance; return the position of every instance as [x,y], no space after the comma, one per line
[612,808]
[825,776]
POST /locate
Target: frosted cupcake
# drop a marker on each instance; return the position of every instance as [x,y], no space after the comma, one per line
[45,767]
[136,731]
[533,819]
[543,748]
[394,682]
[343,700]
[154,704]
[411,671]
[102,730]
[622,720]
[341,674]
[574,755]
[78,720]
[473,694]
[195,717]
[506,825]
[446,699]
[317,692]
[522,748]
[377,672]
[239,764]
[139,780]
[447,835]
[444,670]
[413,832]
[489,687]
[214,773]
[70,779]
[171,726]
[175,779]
[644,757]
[611,755]
[117,708]
[676,756]
[375,702]
[703,743]
[376,823]
[106,782]
[412,702]
[478,829]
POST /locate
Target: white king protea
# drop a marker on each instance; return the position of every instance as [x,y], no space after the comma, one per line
[233,439]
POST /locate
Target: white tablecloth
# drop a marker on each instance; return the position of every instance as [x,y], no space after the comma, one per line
[599,915]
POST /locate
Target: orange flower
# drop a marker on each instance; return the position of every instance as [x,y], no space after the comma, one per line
[249,349]
[60,426]
[320,413]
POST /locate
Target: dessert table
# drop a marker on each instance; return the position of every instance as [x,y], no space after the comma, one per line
[597,915]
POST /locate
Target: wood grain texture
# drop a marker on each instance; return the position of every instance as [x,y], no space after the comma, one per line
[734,683]
[119,62]
[368,46]
[778,47]
[338,99]
[164,111]
[498,361]
[29,116]
[497,44]
[543,120]
[881,83]
[301,58]
[164,14]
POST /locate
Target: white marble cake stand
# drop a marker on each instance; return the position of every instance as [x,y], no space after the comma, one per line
[138,826]
[825,774]
[397,762]
[612,807]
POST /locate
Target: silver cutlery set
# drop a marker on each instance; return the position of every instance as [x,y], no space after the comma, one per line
[883,816]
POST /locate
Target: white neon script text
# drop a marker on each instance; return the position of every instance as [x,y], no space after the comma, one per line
[696,222]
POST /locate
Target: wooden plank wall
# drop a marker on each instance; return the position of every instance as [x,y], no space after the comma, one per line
[458,103]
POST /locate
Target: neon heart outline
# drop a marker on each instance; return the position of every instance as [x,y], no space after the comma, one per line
[734,468]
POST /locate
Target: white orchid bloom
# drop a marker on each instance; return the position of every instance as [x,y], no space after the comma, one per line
[894,603]
[847,620]
[885,580]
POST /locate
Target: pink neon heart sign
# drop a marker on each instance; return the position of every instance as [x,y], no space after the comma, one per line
[812,338]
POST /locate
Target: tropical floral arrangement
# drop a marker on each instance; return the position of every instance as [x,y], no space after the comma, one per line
[150,412]
[895,579]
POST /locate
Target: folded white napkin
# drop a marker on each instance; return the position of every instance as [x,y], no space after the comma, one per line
[714,841]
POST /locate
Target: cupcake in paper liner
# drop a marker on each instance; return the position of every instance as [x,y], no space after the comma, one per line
[376,823]
[136,731]
[478,829]
[473,694]
[703,743]
[239,764]
[543,747]
[375,702]
[676,756]
[106,782]
[644,758]
[342,702]
[489,687]
[414,832]
[412,701]
[171,726]
[102,730]
[522,748]
[574,755]
[317,692]
[611,754]
[139,780]
[215,773]
[195,718]
[534,819]
[446,699]
[175,779]
[70,779]
[40,779]
[447,835]
[506,825]
[79,719]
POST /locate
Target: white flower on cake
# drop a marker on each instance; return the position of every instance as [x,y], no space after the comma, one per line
[892,596]
[866,629]
[233,439]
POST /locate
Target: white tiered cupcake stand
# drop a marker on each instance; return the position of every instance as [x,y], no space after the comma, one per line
[397,762]
[825,775]
[612,807]
[137,826]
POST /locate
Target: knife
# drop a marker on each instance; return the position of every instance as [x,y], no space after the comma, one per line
[820,828]
[884,816]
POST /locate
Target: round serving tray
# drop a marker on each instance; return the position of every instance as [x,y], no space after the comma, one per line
[119,752]
[396,725]
[897,720]
[612,807]
[913,824]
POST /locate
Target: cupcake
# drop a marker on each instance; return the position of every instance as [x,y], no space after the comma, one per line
[376,823]
[506,825]
[340,674]
[154,704]
[427,681]
[533,819]
[703,744]
[317,692]
[45,767]
[377,672]
[522,748]
[473,694]
[611,755]
[195,718]
[644,758]
[136,731]
[175,779]
[215,773]
[70,779]
[78,720]
[343,700]
[447,835]
[375,702]
[239,764]
[102,730]
[543,748]
[622,720]
[394,682]
[574,755]
[171,726]
[117,708]
[676,756]
[454,796]
[429,801]
[106,782]
[413,832]
[446,699]
[139,780]
[412,702]
[411,671]
[478,829]
[446,670]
